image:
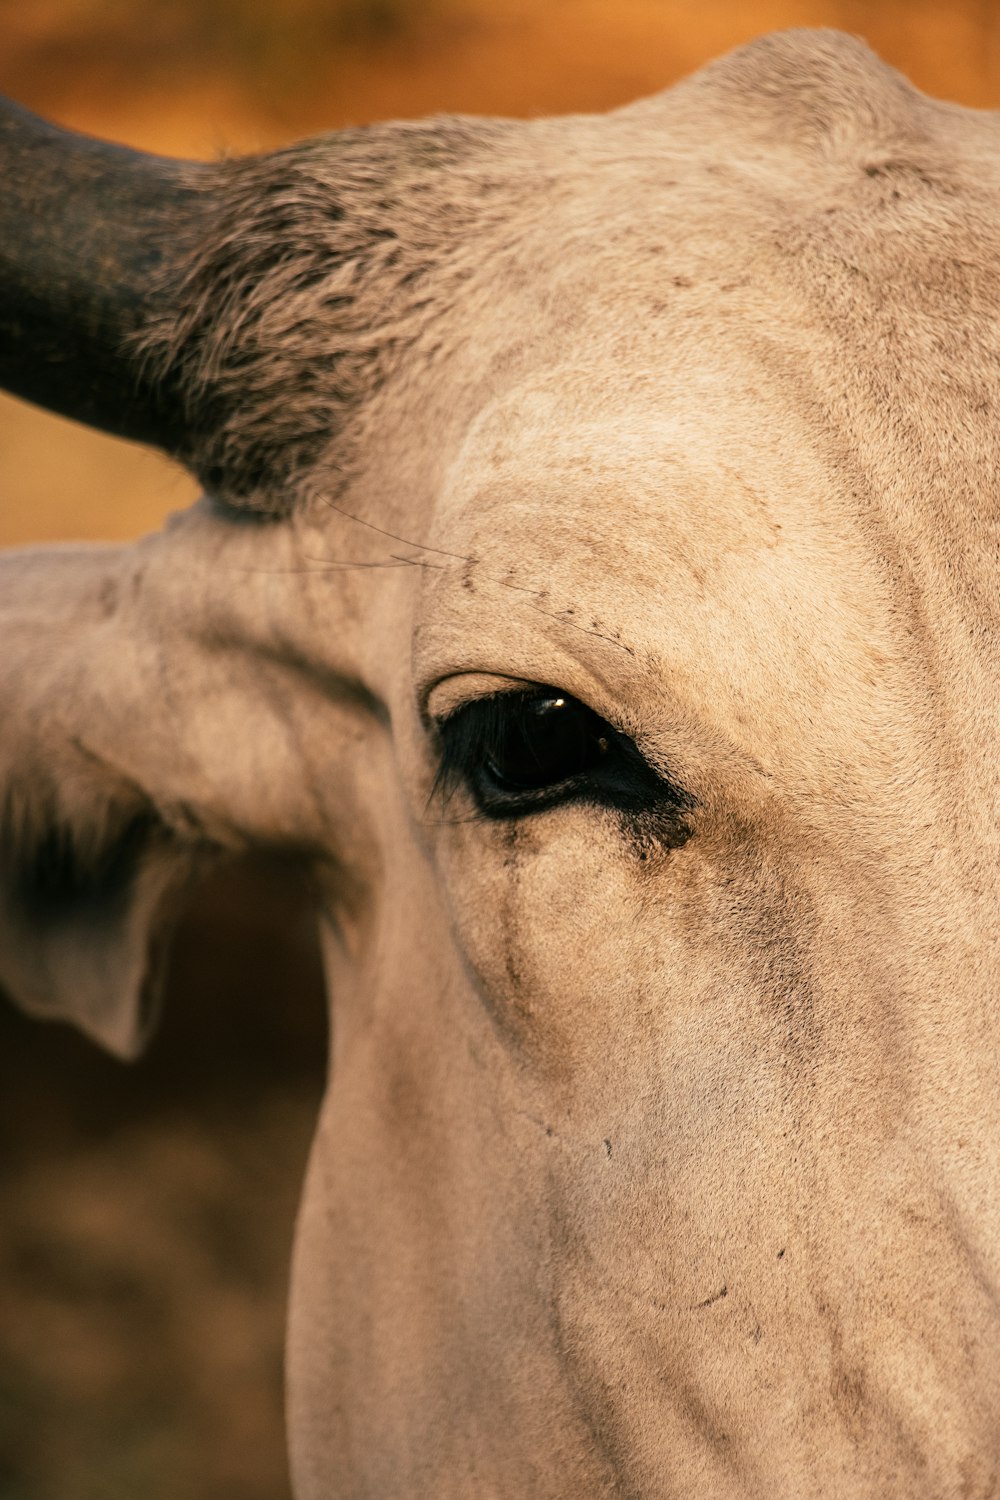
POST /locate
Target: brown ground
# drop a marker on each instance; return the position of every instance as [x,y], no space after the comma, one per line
[147,1212]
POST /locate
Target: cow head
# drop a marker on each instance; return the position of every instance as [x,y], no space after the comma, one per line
[596,586]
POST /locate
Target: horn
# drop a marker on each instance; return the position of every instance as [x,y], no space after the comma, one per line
[89,234]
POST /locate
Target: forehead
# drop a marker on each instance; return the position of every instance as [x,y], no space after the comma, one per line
[700,388]
[661,462]
[708,427]
[673,544]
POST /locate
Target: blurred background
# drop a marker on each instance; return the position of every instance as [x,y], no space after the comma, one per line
[146,1213]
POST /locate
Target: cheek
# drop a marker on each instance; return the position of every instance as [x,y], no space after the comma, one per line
[568,934]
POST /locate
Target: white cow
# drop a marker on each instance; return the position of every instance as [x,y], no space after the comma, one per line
[597,587]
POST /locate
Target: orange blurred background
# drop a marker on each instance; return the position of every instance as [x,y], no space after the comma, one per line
[147,1212]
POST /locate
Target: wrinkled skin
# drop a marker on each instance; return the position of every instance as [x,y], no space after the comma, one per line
[651,1164]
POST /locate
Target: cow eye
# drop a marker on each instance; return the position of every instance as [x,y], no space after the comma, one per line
[521,752]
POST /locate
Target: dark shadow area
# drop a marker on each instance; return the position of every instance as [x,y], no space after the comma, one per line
[147,1215]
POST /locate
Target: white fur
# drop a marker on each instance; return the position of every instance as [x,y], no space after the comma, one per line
[643,1171]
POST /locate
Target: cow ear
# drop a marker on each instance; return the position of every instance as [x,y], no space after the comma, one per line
[90,880]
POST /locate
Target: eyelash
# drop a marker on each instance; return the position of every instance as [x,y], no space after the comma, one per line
[518,753]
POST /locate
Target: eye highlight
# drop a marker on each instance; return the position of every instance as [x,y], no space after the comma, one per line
[521,752]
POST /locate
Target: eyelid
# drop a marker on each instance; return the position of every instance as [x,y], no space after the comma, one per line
[451,694]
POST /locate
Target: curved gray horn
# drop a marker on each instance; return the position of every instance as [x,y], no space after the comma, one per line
[86,230]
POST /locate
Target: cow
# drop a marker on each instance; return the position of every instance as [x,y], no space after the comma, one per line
[595,588]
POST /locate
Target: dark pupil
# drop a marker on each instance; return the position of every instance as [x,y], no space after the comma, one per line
[542,742]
